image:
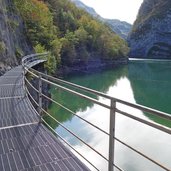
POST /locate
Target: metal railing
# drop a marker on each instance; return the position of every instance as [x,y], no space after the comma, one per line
[63,85]
[33,59]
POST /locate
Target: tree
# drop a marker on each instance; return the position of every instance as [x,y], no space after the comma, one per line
[82,35]
[56,50]
[70,35]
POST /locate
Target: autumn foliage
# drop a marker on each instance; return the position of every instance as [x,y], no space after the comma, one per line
[70,34]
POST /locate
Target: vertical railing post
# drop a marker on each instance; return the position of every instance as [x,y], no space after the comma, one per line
[40,94]
[24,83]
[112,134]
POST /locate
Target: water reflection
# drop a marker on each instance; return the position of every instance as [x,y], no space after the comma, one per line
[99,81]
[151,84]
[128,83]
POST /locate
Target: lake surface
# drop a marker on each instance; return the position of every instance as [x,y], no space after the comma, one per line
[143,82]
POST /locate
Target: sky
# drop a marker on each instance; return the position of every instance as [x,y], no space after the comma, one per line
[124,10]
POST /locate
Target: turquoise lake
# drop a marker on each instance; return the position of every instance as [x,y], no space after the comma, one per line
[142,82]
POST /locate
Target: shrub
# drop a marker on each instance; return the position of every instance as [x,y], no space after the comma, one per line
[2,47]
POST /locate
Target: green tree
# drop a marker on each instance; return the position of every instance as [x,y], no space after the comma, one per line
[56,50]
[39,49]
[68,51]
[70,35]
[38,21]
[2,47]
[82,35]
[51,64]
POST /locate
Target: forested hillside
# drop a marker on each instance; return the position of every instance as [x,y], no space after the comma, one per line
[71,35]
[121,28]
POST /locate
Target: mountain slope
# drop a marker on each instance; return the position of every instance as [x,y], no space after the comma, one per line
[72,37]
[151,33]
[90,10]
[121,28]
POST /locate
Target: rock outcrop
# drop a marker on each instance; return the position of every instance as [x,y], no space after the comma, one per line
[13,43]
[151,33]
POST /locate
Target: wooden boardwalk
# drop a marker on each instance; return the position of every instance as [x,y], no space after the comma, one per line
[25,143]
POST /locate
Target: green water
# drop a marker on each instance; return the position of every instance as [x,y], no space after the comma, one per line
[142,82]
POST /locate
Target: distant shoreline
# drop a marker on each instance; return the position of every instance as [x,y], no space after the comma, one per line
[149,59]
[91,67]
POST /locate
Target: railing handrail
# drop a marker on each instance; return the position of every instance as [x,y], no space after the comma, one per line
[156,113]
[30,58]
[112,107]
[94,92]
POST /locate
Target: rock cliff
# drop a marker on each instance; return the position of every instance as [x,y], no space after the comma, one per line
[13,43]
[151,33]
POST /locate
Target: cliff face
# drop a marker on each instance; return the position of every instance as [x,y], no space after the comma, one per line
[13,43]
[151,33]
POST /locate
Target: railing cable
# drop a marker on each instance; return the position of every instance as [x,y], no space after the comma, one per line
[31,85]
[73,113]
[88,90]
[32,97]
[76,93]
[81,140]
[70,145]
[30,60]
[143,155]
[137,106]
[154,125]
